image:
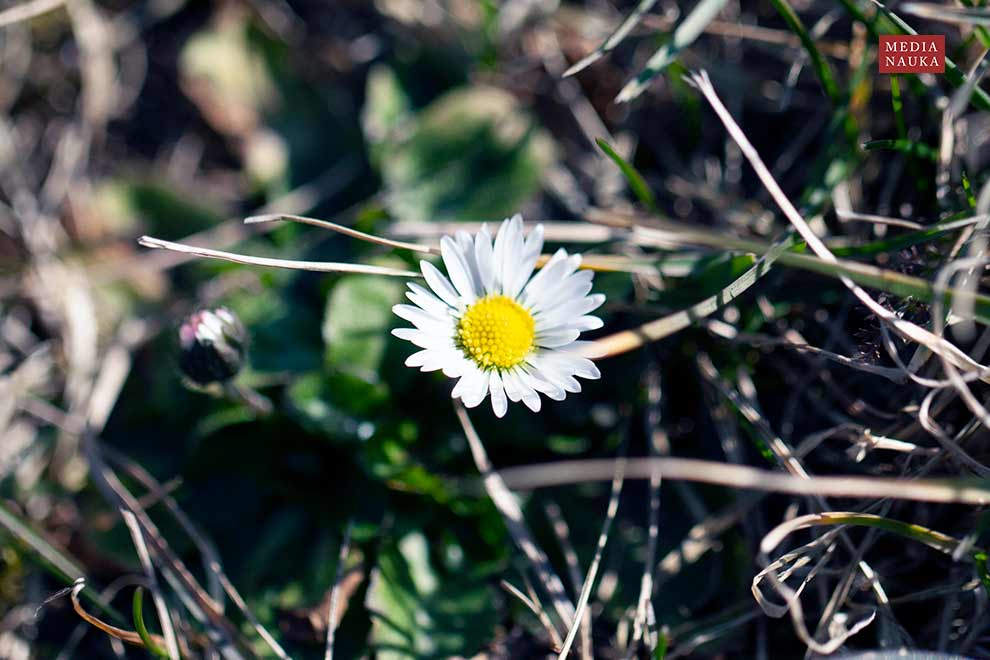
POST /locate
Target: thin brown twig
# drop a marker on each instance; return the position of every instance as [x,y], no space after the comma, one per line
[332,622]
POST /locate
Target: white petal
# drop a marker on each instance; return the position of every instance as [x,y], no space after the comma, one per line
[522,390]
[508,251]
[576,286]
[581,348]
[466,244]
[529,253]
[560,314]
[554,373]
[440,284]
[457,366]
[423,339]
[485,259]
[559,267]
[586,323]
[473,387]
[499,402]
[458,268]
[511,385]
[531,377]
[423,320]
[583,324]
[556,338]
[427,300]
[525,259]
[572,364]
[432,359]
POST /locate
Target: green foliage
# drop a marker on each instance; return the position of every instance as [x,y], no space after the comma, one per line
[357,320]
[426,604]
[472,154]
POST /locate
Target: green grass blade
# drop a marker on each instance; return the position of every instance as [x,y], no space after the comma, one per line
[909,147]
[953,74]
[613,39]
[137,609]
[635,180]
[684,35]
[897,104]
[818,62]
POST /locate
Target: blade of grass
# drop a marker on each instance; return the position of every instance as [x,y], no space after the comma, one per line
[947,14]
[684,35]
[137,609]
[635,180]
[562,473]
[955,76]
[912,332]
[820,64]
[905,146]
[164,617]
[613,39]
[618,479]
[345,548]
[318,266]
[515,522]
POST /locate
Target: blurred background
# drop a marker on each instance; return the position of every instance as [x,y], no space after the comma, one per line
[179,118]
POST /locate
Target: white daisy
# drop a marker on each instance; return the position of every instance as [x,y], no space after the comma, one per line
[498,330]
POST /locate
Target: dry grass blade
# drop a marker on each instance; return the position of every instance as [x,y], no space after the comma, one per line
[341,229]
[627,340]
[345,549]
[159,493]
[703,13]
[658,445]
[536,610]
[317,266]
[560,473]
[507,505]
[618,480]
[563,533]
[128,636]
[51,555]
[906,329]
[947,14]
[929,537]
[164,616]
[28,10]
[723,329]
[851,216]
[613,39]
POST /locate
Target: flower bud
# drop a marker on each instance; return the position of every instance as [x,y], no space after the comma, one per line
[212,346]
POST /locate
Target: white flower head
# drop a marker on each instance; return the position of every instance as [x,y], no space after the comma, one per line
[496,327]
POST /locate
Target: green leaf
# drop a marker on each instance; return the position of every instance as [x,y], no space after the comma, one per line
[137,609]
[357,322]
[331,404]
[635,180]
[953,74]
[918,149]
[420,611]
[387,106]
[685,34]
[472,154]
[819,63]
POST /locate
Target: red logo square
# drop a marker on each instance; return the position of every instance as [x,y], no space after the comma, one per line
[922,53]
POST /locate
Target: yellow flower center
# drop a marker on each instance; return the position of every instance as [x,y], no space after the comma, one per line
[496,332]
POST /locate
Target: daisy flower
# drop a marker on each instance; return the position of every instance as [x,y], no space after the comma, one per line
[500,330]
